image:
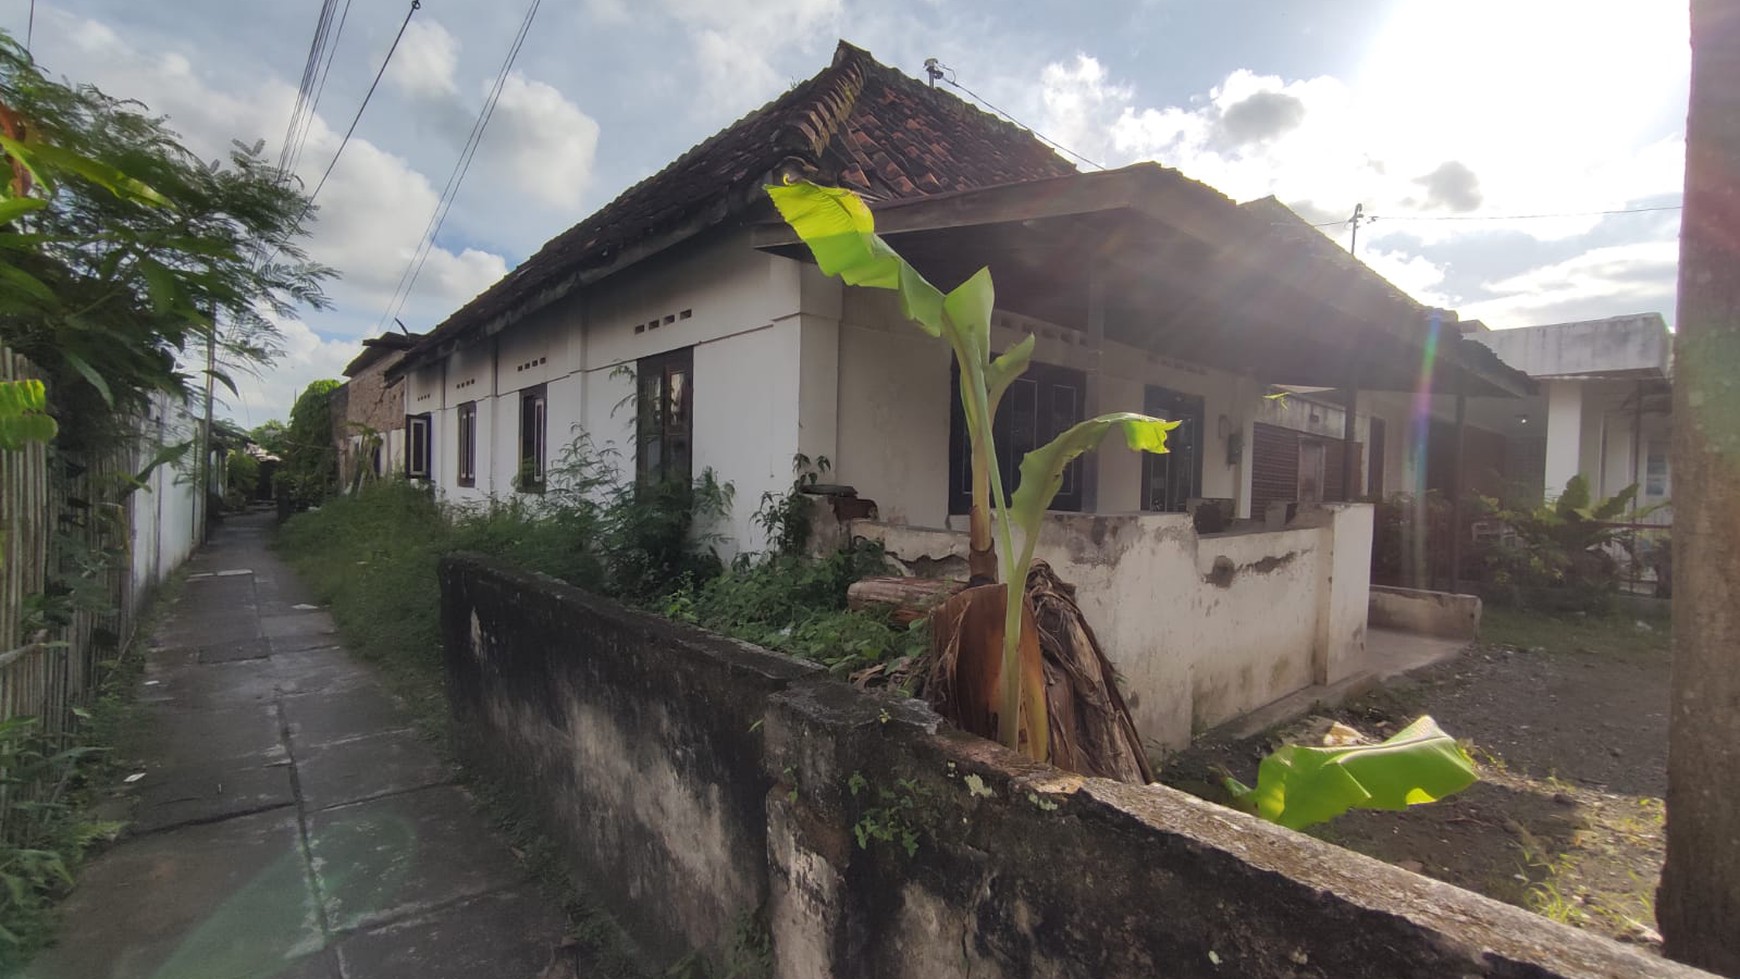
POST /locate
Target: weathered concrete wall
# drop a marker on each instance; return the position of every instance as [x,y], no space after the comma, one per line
[692,781]
[635,737]
[1431,613]
[1639,343]
[1202,629]
[1021,870]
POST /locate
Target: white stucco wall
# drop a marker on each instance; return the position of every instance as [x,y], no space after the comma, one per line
[892,412]
[894,409]
[167,513]
[765,335]
[1202,629]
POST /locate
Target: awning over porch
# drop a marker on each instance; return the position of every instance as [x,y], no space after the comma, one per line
[1147,257]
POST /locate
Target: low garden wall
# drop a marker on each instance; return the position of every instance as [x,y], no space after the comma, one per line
[1429,613]
[698,785]
[1202,628]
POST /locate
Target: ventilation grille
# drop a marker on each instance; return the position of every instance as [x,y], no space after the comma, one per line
[666,320]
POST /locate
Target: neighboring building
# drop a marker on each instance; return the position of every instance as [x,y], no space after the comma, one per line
[684,327]
[368,412]
[1604,408]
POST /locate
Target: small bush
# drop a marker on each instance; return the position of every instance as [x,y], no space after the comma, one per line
[798,606]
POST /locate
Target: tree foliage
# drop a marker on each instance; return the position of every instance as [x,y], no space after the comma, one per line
[310,469]
[122,252]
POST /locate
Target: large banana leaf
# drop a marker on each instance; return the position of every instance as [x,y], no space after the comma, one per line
[1300,785]
[1042,469]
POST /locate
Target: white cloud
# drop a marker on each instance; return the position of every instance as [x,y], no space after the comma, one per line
[544,144]
[1601,282]
[1415,275]
[1572,106]
[735,42]
[307,357]
[426,60]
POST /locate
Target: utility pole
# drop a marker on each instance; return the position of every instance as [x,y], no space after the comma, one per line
[1698,904]
[202,499]
[1358,216]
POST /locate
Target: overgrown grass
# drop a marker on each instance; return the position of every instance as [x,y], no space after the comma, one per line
[373,558]
[798,606]
[1634,636]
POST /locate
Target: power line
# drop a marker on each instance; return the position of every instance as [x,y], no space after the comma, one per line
[320,86]
[308,206]
[456,177]
[938,72]
[310,66]
[1507,217]
[1529,217]
[416,5]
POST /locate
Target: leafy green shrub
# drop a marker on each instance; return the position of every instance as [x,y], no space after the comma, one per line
[373,555]
[797,605]
[45,780]
[1561,561]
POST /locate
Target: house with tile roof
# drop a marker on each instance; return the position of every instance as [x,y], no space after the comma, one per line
[684,326]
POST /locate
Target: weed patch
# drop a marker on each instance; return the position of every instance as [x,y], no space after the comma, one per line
[50,784]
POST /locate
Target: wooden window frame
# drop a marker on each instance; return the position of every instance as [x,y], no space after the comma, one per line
[1189,439]
[1040,387]
[534,439]
[419,445]
[665,428]
[466,474]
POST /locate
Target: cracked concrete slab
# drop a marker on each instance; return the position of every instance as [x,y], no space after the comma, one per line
[229,898]
[229,652]
[244,683]
[315,623]
[367,767]
[338,714]
[467,940]
[206,793]
[404,855]
[208,736]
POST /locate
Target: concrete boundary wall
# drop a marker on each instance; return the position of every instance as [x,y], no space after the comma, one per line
[696,784]
[1430,613]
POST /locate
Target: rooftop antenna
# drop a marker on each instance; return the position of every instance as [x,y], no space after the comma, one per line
[934,69]
[401,326]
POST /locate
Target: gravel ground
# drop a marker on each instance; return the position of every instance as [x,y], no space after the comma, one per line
[1567,721]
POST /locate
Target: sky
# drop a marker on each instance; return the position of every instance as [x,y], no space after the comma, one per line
[1453,125]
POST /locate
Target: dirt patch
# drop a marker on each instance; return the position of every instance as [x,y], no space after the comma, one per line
[1567,721]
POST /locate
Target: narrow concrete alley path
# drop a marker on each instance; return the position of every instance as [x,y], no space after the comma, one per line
[289,824]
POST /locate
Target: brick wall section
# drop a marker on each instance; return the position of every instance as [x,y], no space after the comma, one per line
[367,400]
[695,783]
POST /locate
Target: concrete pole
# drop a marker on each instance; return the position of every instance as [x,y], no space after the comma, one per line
[1698,905]
[1350,441]
[1564,435]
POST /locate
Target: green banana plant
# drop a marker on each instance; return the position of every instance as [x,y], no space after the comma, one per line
[840,232]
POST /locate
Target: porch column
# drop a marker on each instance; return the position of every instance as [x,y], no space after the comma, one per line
[1456,528]
[1096,336]
[1564,434]
[1350,441]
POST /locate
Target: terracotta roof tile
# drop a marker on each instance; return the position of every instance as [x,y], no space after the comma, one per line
[856,123]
